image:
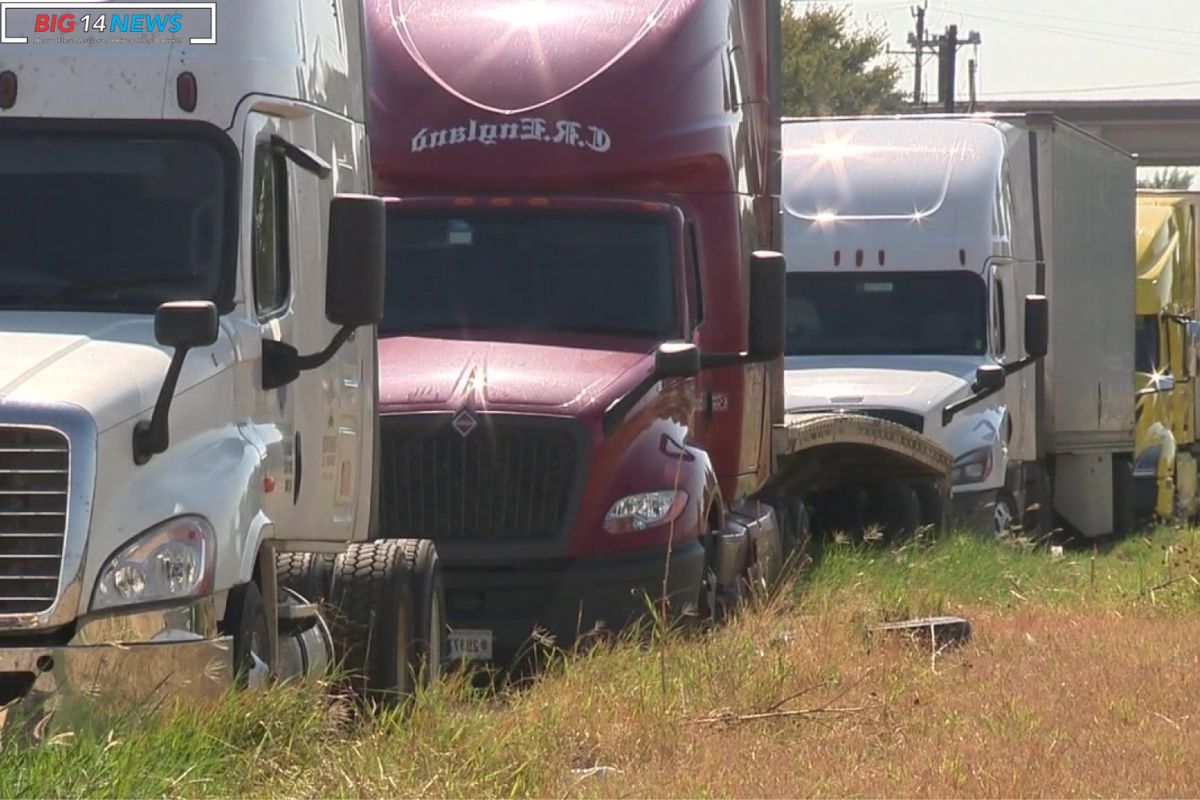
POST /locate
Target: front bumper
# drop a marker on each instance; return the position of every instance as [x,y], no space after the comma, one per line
[98,675]
[568,600]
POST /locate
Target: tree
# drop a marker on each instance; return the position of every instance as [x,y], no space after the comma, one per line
[827,66]
[1174,178]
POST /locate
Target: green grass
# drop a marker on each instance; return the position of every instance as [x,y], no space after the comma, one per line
[868,718]
[1156,570]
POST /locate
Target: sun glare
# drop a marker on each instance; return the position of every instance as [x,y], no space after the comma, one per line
[530,15]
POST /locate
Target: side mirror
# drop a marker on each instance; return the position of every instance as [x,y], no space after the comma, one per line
[676,360]
[185,324]
[989,378]
[182,325]
[768,306]
[357,260]
[1037,326]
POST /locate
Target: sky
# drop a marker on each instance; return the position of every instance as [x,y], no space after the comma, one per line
[1088,49]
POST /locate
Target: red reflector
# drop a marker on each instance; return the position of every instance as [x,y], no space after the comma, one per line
[881,258]
[463,201]
[837,258]
[858,258]
[186,91]
[502,201]
[538,201]
[8,89]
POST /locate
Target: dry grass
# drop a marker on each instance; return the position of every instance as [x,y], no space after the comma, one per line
[1082,678]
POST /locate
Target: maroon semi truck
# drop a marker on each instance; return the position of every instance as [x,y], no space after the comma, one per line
[580,355]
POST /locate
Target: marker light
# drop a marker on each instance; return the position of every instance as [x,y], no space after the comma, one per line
[186,91]
[8,89]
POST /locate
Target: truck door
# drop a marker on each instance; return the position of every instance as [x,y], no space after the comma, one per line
[270,293]
[334,401]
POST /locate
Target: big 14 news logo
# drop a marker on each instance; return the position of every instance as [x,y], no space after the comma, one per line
[116,23]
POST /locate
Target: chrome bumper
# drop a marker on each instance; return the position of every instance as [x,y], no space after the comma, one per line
[52,689]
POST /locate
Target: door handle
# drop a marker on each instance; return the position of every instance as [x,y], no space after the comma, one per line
[299,471]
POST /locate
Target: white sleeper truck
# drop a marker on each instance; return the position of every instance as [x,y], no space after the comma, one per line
[933,261]
[190,279]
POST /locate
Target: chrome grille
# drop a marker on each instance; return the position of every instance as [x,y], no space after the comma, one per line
[34,467]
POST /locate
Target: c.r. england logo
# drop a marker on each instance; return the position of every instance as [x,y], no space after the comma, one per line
[527,129]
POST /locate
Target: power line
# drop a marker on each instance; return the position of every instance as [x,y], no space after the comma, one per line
[1085,21]
[1127,41]
[1080,90]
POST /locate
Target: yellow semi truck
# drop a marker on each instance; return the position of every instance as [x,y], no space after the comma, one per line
[1166,449]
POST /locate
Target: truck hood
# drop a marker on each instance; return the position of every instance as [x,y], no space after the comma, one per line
[107,364]
[420,373]
[913,383]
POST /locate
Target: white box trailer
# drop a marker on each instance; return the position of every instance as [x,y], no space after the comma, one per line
[932,260]
[1086,205]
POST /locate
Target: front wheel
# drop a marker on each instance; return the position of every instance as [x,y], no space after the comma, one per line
[247,621]
[1004,515]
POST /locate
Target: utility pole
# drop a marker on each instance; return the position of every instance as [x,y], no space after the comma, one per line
[947,59]
[920,45]
[971,84]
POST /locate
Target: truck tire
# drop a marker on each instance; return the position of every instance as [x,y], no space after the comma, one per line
[899,510]
[374,619]
[431,648]
[933,506]
[307,574]
[247,622]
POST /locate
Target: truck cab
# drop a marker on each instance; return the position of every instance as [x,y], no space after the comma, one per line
[1165,356]
[188,302]
[575,395]
[899,239]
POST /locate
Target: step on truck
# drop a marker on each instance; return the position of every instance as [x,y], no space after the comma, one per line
[968,277]
[578,397]
[1166,337]
[190,283]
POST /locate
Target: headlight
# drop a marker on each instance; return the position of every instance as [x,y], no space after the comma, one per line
[172,560]
[640,511]
[973,467]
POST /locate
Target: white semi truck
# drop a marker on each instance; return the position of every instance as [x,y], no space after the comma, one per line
[932,260]
[190,279]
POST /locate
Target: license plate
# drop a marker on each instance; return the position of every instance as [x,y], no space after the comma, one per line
[472,645]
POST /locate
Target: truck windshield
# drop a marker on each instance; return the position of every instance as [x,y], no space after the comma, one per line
[103,222]
[908,313]
[569,271]
[1145,353]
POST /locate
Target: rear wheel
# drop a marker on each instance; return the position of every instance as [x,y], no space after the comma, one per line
[307,574]
[374,622]
[431,647]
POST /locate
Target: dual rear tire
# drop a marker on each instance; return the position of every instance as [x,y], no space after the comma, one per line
[385,602]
